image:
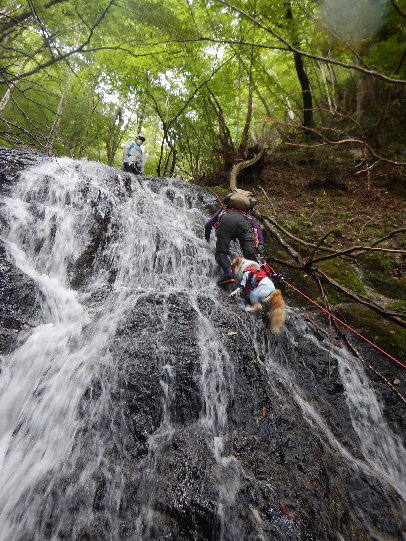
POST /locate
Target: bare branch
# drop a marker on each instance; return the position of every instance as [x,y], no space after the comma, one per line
[288,48]
[18,19]
[391,316]
[293,49]
[328,141]
[390,235]
[268,199]
[291,251]
[79,49]
[21,130]
[357,249]
[399,319]
[398,8]
[320,242]
[297,239]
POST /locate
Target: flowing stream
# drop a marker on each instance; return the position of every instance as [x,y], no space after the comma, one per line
[122,411]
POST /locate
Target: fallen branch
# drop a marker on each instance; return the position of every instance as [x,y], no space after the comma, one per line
[359,250]
[267,198]
[292,252]
[286,264]
[390,235]
[334,253]
[398,8]
[317,274]
[391,316]
[322,331]
[328,141]
[330,320]
[323,238]
[293,237]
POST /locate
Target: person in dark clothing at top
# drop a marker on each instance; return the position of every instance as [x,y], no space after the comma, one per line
[232,224]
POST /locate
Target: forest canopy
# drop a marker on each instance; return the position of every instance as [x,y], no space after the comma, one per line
[208,82]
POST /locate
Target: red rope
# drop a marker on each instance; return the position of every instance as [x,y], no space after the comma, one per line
[321,307]
[345,325]
[342,322]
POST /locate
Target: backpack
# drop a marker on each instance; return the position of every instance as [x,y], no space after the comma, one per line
[239,199]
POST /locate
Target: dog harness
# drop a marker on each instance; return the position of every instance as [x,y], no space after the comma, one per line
[257,283]
[253,275]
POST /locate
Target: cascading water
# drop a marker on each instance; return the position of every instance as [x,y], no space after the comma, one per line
[146,404]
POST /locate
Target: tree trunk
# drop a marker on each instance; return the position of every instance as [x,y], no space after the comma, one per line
[227,149]
[54,131]
[115,134]
[242,148]
[72,145]
[330,99]
[6,98]
[306,92]
[303,78]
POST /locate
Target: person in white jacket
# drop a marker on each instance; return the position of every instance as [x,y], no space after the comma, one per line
[134,157]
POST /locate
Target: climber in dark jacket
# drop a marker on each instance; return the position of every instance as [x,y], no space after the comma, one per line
[232,224]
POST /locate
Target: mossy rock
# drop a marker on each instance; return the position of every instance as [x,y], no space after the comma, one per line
[385,334]
[381,271]
[398,306]
[380,262]
[390,287]
[345,274]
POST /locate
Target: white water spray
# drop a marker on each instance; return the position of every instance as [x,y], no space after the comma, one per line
[145,244]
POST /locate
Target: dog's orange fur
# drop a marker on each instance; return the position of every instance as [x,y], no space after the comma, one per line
[277,312]
[274,302]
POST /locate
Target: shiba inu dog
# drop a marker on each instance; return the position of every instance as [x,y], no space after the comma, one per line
[256,283]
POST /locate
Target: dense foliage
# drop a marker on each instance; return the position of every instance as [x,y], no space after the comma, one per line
[207,81]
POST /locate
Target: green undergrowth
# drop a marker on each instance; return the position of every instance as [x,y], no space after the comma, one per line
[308,210]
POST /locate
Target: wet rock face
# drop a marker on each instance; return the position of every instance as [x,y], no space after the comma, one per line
[276,479]
[19,305]
[12,161]
[18,293]
[198,424]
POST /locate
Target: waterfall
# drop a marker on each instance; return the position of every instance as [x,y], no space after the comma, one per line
[145,404]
